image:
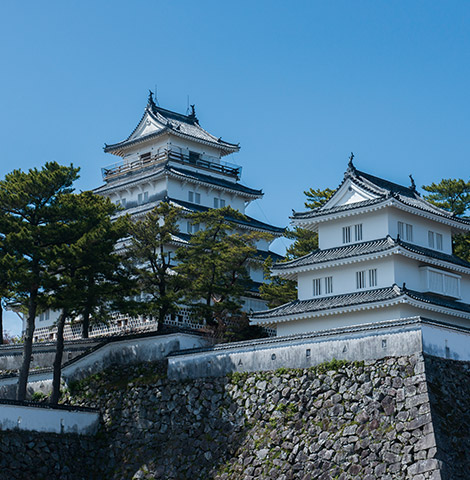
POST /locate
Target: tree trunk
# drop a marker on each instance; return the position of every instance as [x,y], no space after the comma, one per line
[161,318]
[1,322]
[27,347]
[58,359]
[86,322]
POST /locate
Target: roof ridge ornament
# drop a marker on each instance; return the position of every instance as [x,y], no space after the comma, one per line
[413,184]
[151,101]
[192,115]
[351,168]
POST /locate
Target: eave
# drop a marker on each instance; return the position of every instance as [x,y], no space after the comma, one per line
[311,222]
[291,272]
[402,297]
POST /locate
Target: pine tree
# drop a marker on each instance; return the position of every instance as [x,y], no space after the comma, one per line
[89,253]
[450,194]
[214,264]
[148,253]
[30,225]
[277,290]
[453,195]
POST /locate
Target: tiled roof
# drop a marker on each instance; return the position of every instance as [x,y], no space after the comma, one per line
[326,303]
[366,248]
[445,257]
[249,222]
[176,123]
[437,300]
[181,237]
[156,170]
[337,253]
[316,212]
[302,307]
[213,180]
[384,190]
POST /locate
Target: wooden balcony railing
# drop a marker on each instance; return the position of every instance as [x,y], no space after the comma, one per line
[123,167]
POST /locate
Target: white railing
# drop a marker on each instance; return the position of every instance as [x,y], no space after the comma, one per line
[120,324]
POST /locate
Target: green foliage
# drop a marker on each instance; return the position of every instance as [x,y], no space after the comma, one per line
[276,290]
[317,197]
[237,378]
[117,378]
[333,364]
[33,221]
[151,264]
[213,265]
[305,242]
[88,276]
[39,397]
[450,194]
[453,195]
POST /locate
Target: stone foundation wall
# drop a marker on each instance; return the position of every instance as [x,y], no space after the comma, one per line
[48,456]
[339,420]
[395,418]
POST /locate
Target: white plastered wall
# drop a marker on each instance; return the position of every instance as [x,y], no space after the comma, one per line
[344,277]
[340,320]
[374,225]
[421,226]
[179,189]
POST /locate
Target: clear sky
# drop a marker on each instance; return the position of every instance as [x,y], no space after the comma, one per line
[299,84]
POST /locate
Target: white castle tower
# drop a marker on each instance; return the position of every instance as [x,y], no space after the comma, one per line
[384,253]
[170,157]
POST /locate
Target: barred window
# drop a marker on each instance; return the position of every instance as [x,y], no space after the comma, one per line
[358,232]
[361,279]
[328,285]
[316,287]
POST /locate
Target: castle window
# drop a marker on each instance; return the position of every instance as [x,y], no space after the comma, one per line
[142,198]
[361,279]
[405,230]
[194,197]
[435,240]
[219,202]
[373,277]
[316,287]
[346,234]
[328,285]
[145,157]
[438,281]
[194,156]
[358,232]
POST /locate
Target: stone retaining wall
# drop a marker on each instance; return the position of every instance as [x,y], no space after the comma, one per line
[339,420]
[49,456]
[394,418]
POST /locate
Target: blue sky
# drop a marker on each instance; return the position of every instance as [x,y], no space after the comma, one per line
[299,84]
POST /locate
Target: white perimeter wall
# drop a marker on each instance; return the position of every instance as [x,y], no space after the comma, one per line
[48,419]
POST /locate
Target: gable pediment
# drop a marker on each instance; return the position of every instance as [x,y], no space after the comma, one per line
[349,193]
[148,125]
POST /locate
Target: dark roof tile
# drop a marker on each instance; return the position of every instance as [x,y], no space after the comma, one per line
[366,248]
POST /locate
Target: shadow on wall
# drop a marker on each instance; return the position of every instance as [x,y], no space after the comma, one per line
[449,394]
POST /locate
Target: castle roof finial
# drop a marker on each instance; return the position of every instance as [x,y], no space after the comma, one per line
[413,184]
[351,168]
[192,115]
[150,101]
